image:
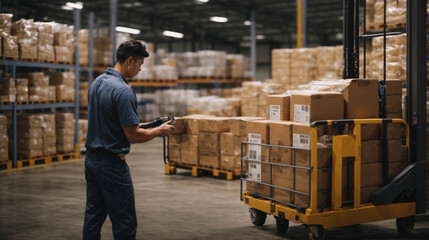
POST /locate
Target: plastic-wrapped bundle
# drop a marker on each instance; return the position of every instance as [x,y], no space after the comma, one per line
[214,60]
[83,38]
[30,135]
[10,46]
[326,59]
[66,78]
[63,42]
[4,139]
[65,93]
[45,46]
[303,66]
[22,89]
[27,34]
[165,72]
[49,136]
[7,90]
[83,128]
[185,63]
[37,79]
[145,73]
[281,61]
[6,22]
[235,65]
[395,12]
[64,128]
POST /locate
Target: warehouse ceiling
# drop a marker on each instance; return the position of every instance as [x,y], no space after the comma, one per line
[275,20]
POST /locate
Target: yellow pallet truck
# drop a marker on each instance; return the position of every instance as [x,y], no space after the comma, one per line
[337,215]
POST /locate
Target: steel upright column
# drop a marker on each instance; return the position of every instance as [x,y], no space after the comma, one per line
[91,47]
[76,72]
[416,94]
[14,126]
[253,42]
[113,23]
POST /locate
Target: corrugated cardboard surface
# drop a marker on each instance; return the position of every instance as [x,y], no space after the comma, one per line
[320,106]
[232,163]
[215,124]
[238,125]
[209,158]
[189,141]
[230,144]
[189,155]
[372,151]
[361,99]
[209,140]
[174,154]
[175,140]
[278,107]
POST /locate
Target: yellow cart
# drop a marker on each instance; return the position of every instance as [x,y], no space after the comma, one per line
[394,200]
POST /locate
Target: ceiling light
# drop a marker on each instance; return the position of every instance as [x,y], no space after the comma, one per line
[77,5]
[172,34]
[67,8]
[203,1]
[219,19]
[128,5]
[247,23]
[137,4]
[127,30]
[260,37]
[245,44]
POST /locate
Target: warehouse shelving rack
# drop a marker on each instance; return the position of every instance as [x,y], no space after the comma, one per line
[15,107]
[405,195]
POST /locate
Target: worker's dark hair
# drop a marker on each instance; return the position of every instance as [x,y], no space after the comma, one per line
[131,48]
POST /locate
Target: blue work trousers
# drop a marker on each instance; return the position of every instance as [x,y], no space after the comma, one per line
[109,190]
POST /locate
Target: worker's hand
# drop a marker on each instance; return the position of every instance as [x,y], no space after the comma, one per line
[166,129]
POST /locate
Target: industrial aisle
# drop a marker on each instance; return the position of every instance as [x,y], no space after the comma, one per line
[48,203]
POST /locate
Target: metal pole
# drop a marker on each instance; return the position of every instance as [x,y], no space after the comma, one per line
[299,24]
[113,23]
[202,40]
[14,126]
[76,72]
[253,41]
[154,41]
[304,23]
[91,48]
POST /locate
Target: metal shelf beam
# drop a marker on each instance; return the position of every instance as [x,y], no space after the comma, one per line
[35,64]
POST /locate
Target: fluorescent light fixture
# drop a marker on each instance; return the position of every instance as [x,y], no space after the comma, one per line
[137,4]
[67,8]
[247,23]
[203,1]
[77,5]
[260,37]
[128,5]
[245,44]
[219,19]
[127,30]
[172,34]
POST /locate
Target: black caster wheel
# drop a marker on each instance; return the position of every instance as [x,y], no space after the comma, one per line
[257,217]
[406,224]
[282,225]
[316,232]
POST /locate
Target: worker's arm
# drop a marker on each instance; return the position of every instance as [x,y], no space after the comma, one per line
[135,134]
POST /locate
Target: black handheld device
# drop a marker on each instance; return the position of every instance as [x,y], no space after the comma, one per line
[157,122]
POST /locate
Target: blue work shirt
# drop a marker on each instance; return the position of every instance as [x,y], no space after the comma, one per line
[112,105]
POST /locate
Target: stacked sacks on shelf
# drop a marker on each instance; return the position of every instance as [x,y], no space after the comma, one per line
[30,135]
[7,90]
[22,90]
[48,135]
[212,63]
[187,63]
[65,130]
[9,42]
[64,83]
[38,86]
[27,34]
[45,46]
[396,11]
[4,139]
[83,94]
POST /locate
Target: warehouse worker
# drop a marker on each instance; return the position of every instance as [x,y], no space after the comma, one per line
[112,125]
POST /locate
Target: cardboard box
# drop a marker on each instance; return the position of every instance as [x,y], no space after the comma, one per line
[281,134]
[30,120]
[179,124]
[394,103]
[404,154]
[191,123]
[30,153]
[393,114]
[30,143]
[238,125]
[175,140]
[174,154]
[302,179]
[209,158]
[189,141]
[32,132]
[311,106]
[258,132]
[259,189]
[230,144]
[393,87]
[4,154]
[278,107]
[372,151]
[4,140]
[370,132]
[393,130]
[323,199]
[324,158]
[209,140]
[366,193]
[49,150]
[232,163]
[189,156]
[361,99]
[372,173]
[282,177]
[215,124]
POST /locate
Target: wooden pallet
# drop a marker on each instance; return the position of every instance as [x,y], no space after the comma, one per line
[9,58]
[65,101]
[37,160]
[197,171]
[62,62]
[6,102]
[22,102]
[29,59]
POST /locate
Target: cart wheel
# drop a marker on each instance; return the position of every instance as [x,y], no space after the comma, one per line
[316,232]
[173,170]
[257,217]
[282,225]
[406,224]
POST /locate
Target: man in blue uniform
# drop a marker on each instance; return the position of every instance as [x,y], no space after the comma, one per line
[112,125]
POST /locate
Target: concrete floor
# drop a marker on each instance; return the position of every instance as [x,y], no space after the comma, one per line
[48,203]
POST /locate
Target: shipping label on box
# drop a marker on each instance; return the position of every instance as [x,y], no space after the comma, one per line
[301,140]
[254,172]
[274,112]
[278,107]
[301,113]
[254,150]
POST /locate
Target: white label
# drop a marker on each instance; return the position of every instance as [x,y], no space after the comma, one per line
[255,150]
[301,140]
[12,98]
[275,112]
[301,113]
[254,172]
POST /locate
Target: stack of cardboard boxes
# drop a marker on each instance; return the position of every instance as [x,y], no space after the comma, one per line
[48,134]
[7,90]
[189,140]
[209,140]
[45,46]
[254,97]
[22,90]
[64,83]
[30,135]
[83,94]
[63,43]
[64,127]
[9,42]
[38,86]
[234,66]
[393,101]
[395,12]
[27,34]
[83,46]
[4,139]
[83,129]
